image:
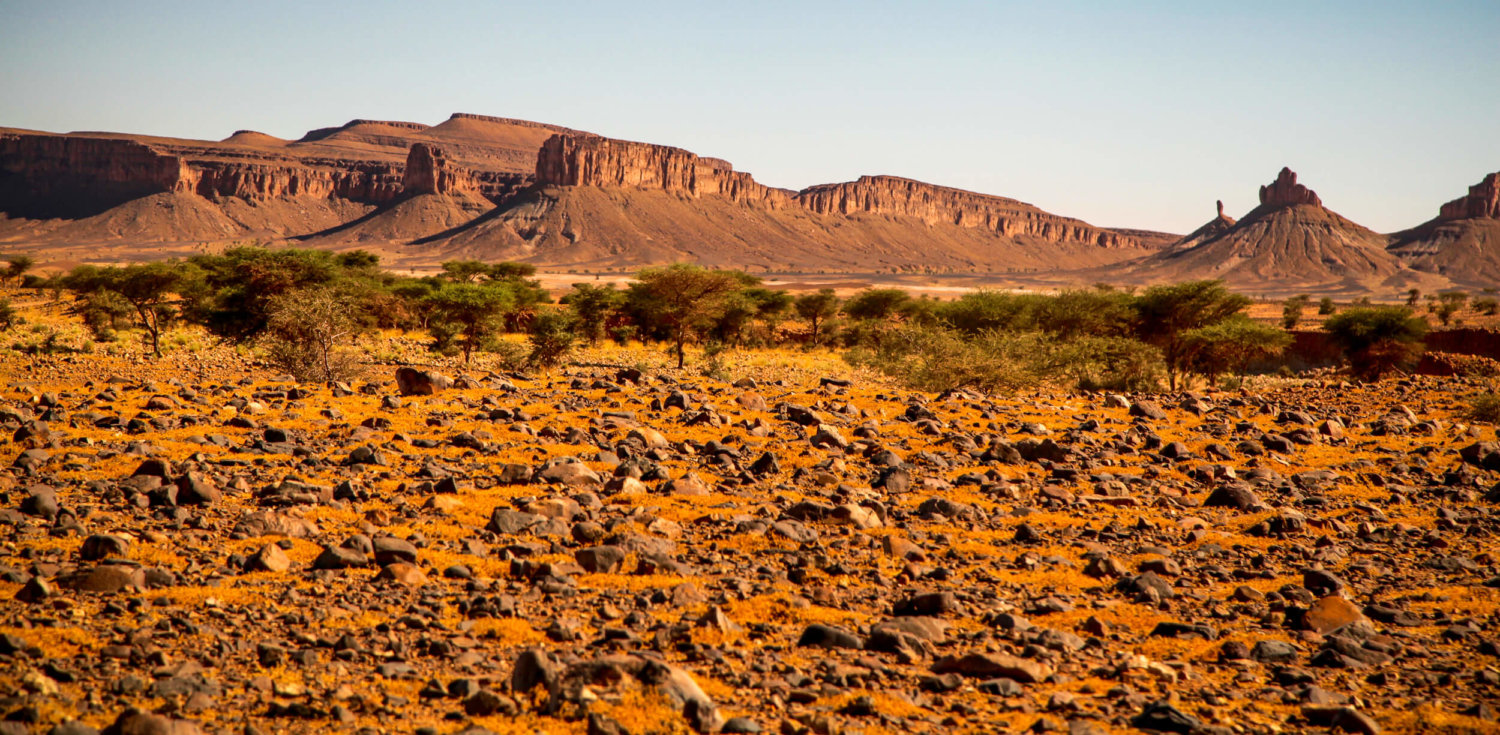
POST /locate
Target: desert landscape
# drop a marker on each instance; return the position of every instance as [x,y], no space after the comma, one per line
[1069,406]
[577,203]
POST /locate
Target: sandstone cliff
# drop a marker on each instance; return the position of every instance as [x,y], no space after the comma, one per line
[428,171]
[46,175]
[51,176]
[589,160]
[1483,200]
[1462,242]
[889,195]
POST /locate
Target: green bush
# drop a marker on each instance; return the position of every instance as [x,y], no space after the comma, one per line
[551,336]
[1106,363]
[1484,407]
[939,359]
[1377,340]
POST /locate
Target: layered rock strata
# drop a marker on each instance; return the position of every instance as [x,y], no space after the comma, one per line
[586,160]
[890,195]
[44,175]
[1483,200]
[589,160]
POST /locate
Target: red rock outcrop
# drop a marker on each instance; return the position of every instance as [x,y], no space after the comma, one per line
[590,160]
[1285,192]
[1483,200]
[890,195]
[48,175]
[365,182]
[428,171]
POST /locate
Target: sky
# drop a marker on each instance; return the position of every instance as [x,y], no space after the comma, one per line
[1125,114]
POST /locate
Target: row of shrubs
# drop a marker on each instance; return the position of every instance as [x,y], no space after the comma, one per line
[307,307]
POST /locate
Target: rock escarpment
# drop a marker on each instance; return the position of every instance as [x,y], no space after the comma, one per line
[1462,242]
[45,175]
[1483,200]
[590,160]
[891,195]
[54,176]
[593,161]
[428,171]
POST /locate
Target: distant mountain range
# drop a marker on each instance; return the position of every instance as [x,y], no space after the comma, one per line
[496,188]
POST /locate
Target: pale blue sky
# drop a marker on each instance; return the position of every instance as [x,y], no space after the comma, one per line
[1136,114]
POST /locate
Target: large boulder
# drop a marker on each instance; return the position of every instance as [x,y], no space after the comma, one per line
[414,382]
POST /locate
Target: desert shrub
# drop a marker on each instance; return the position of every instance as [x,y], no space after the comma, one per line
[103,312]
[984,311]
[1087,313]
[1487,305]
[1484,407]
[623,334]
[1166,315]
[1377,340]
[231,294]
[310,333]
[1448,304]
[939,359]
[1291,311]
[1106,363]
[551,336]
[44,341]
[1232,345]
[713,362]
[876,303]
[592,308]
[1326,306]
[772,306]
[7,315]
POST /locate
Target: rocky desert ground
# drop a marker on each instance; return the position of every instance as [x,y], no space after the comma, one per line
[196,544]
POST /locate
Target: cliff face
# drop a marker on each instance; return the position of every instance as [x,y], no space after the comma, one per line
[1285,192]
[367,183]
[1483,200]
[890,195]
[49,175]
[429,172]
[586,160]
[44,175]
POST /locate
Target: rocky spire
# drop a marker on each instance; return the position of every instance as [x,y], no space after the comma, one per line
[1285,192]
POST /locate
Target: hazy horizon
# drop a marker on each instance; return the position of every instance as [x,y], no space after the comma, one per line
[1136,116]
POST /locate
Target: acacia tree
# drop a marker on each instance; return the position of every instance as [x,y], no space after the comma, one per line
[771,307]
[1231,345]
[149,288]
[876,303]
[466,315]
[816,308]
[1377,340]
[592,306]
[18,265]
[1165,315]
[684,299]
